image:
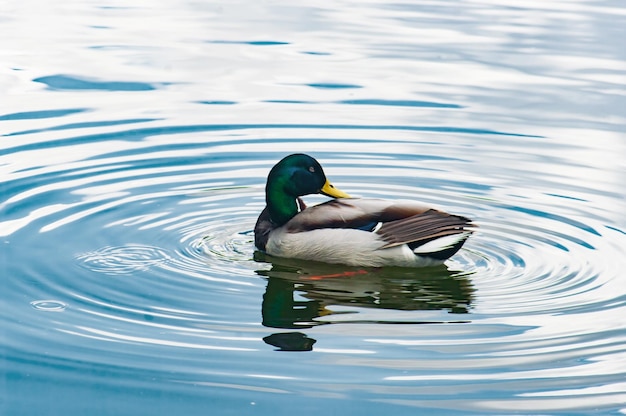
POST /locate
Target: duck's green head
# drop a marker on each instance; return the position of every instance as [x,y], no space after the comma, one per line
[294,176]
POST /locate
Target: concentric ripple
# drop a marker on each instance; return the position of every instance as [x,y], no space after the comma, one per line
[126,259]
[557,266]
[148,252]
[48,305]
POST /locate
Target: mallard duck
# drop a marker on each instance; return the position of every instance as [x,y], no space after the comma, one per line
[351,231]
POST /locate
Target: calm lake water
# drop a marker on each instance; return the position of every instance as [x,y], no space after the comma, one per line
[136,138]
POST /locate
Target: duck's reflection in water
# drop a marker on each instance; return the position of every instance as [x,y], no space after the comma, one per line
[300,295]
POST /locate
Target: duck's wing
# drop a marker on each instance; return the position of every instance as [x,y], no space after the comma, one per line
[365,214]
[423,229]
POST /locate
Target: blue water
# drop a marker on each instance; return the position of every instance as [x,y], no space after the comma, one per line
[136,139]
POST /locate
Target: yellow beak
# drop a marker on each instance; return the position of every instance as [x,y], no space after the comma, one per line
[329,190]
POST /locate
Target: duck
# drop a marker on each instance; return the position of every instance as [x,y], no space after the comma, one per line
[361,232]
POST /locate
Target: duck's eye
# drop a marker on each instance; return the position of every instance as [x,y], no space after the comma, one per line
[312,169]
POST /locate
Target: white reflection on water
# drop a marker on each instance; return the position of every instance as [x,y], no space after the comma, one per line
[95,333]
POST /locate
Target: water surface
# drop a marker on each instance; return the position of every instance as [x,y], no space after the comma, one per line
[136,139]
